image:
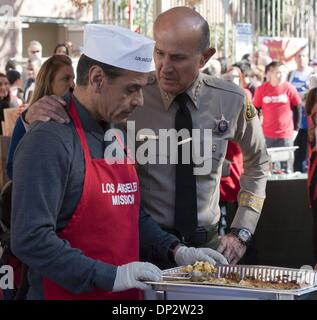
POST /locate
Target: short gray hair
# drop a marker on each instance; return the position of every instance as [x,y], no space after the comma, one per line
[35,43]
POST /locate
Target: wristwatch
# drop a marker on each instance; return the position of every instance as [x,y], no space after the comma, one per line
[244,235]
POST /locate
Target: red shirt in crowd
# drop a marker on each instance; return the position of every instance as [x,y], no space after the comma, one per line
[277,103]
[230,186]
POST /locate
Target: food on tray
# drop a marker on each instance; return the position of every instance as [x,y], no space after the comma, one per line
[235,279]
[200,266]
[207,273]
[254,283]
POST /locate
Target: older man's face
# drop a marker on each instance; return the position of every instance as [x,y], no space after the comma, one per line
[177,59]
[35,52]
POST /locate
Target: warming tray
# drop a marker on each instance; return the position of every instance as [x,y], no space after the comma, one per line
[177,285]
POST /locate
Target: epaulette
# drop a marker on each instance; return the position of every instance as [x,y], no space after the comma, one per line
[222,85]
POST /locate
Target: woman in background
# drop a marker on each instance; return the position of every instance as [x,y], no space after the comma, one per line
[61,49]
[6,99]
[55,77]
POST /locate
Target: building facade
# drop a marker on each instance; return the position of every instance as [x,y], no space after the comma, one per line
[48,21]
[276,18]
[58,21]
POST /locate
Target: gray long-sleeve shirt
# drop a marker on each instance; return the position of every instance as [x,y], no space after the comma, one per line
[48,181]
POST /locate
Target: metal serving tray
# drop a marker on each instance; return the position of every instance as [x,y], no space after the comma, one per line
[176,281]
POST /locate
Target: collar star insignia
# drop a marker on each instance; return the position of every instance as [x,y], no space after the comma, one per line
[197,89]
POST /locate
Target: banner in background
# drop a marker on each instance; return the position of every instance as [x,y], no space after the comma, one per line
[244,42]
[280,49]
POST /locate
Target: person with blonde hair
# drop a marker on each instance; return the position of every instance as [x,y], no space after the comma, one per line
[56,77]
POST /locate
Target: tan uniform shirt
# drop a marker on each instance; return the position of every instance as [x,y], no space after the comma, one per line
[210,101]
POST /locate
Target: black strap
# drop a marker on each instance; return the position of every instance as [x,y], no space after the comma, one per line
[185,193]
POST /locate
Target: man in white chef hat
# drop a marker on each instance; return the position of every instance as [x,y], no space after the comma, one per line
[79,223]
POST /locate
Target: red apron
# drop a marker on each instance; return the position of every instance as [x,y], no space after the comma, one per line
[101,226]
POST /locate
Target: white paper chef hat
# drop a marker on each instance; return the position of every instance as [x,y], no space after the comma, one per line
[119,47]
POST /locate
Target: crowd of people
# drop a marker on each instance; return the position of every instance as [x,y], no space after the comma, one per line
[18,79]
[279,95]
[74,239]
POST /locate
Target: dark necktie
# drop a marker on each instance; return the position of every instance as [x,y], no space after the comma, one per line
[185,193]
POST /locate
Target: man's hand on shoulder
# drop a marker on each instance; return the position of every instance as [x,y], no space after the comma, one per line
[47,108]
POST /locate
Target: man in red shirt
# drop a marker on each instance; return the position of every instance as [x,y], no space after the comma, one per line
[278,103]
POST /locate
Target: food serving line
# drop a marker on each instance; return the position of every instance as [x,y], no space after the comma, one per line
[177,285]
[270,282]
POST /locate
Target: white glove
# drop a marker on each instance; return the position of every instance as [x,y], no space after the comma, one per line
[129,276]
[185,255]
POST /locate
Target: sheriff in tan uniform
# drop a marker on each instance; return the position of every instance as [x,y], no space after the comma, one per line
[212,102]
[183,47]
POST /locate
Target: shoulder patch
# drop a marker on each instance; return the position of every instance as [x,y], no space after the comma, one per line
[250,112]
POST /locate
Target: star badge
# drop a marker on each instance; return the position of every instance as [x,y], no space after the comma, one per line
[222,125]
